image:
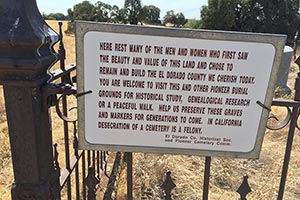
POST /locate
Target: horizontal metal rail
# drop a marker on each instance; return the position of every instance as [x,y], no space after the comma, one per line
[59,73]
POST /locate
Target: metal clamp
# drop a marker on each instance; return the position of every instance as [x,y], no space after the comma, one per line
[51,90]
[263,106]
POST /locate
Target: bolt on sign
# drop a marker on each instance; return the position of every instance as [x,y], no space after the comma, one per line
[175,91]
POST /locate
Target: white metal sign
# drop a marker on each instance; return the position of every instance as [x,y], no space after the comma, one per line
[175,94]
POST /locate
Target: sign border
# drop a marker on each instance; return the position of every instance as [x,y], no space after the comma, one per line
[81,28]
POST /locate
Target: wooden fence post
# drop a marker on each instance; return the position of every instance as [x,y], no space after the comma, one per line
[25,55]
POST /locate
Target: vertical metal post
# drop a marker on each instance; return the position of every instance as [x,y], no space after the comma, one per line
[25,55]
[65,79]
[83,175]
[91,181]
[293,124]
[244,188]
[206,178]
[98,163]
[168,185]
[56,166]
[129,175]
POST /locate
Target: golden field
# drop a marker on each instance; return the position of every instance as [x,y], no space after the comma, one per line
[187,171]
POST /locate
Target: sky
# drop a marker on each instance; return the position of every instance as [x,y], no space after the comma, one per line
[190,8]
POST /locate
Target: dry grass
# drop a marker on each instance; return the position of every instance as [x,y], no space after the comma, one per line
[187,171]
[5,156]
[226,174]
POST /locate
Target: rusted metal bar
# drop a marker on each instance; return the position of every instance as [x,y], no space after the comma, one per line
[129,175]
[56,169]
[206,178]
[75,140]
[75,146]
[89,158]
[94,159]
[91,181]
[98,163]
[104,156]
[293,125]
[83,174]
[56,74]
[55,159]
[101,160]
[62,56]
[67,146]
[113,177]
[105,167]
[244,189]
[65,79]
[61,50]
[288,103]
[168,185]
[77,183]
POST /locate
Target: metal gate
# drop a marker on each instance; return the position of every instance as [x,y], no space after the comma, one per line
[26,45]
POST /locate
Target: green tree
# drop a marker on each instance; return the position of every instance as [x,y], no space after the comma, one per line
[70,13]
[170,17]
[213,3]
[279,17]
[219,14]
[193,23]
[45,16]
[181,20]
[84,11]
[151,14]
[118,15]
[103,12]
[178,20]
[55,16]
[134,8]
[81,11]
[252,15]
